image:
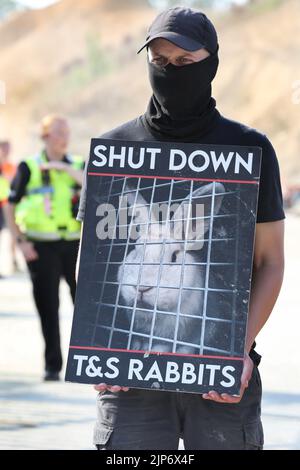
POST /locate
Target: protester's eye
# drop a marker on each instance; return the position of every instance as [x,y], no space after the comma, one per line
[183,61]
[158,61]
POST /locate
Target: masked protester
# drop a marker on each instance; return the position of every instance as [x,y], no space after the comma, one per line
[182,55]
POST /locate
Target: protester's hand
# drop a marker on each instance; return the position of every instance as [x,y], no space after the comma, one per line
[112,388]
[54,165]
[29,253]
[224,397]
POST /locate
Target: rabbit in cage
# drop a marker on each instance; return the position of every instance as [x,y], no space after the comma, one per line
[166,254]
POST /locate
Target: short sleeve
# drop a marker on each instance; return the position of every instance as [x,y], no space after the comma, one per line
[270,204]
[19,183]
[82,202]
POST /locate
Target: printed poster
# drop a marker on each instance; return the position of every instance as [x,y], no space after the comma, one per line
[165,267]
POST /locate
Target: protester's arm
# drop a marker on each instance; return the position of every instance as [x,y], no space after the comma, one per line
[268,268]
[267,277]
[25,246]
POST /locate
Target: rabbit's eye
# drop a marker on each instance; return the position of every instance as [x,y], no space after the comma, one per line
[174,257]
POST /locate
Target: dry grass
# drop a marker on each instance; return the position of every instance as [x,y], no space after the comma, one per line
[79,57]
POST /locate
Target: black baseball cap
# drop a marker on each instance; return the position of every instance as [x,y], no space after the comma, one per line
[187,28]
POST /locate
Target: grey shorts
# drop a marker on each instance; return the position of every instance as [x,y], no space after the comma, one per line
[156,420]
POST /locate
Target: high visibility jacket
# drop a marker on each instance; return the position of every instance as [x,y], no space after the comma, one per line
[4,190]
[47,212]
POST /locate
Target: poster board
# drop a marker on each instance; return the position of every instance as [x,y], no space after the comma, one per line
[165,267]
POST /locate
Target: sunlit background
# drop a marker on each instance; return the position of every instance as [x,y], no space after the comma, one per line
[78,58]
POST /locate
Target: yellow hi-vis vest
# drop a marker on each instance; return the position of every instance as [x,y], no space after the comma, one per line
[4,189]
[45,212]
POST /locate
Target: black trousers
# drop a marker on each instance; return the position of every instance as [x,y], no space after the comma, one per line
[56,259]
[156,420]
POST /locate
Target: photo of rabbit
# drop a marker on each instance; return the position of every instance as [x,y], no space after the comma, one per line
[162,281]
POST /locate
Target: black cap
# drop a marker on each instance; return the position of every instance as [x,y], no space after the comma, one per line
[186,28]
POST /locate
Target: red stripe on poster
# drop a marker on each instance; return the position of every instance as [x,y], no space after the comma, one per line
[174,178]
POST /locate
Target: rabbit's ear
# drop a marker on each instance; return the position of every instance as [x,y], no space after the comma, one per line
[192,218]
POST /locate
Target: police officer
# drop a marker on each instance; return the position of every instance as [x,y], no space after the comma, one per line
[41,213]
[182,58]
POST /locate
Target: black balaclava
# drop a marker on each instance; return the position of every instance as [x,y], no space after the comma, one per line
[181,105]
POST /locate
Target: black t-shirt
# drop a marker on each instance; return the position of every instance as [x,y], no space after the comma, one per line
[224,132]
[21,179]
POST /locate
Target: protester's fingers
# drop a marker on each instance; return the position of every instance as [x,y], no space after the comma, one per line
[208,397]
[230,399]
[113,388]
[100,387]
[223,398]
[213,396]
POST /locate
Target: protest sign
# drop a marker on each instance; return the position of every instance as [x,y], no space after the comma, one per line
[165,268]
